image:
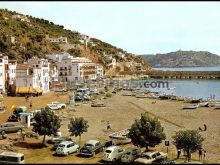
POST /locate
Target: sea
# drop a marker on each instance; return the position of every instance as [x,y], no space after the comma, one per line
[190,88]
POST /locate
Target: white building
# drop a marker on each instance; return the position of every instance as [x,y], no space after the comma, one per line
[99,71]
[113,63]
[57,57]
[24,76]
[60,40]
[3,75]
[12,71]
[41,69]
[21,18]
[78,68]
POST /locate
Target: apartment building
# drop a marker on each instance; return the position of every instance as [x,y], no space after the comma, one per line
[78,68]
[41,70]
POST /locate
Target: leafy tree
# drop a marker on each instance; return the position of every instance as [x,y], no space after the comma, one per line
[47,123]
[146,132]
[189,140]
[77,127]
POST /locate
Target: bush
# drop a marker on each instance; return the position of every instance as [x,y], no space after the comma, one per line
[108,94]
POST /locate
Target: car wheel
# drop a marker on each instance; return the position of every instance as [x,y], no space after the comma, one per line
[63,107]
[114,160]
[20,130]
[3,133]
[67,153]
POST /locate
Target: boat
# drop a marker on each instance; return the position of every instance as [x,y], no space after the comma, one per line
[171,88]
[127,94]
[192,100]
[164,97]
[191,106]
[173,97]
[120,137]
[203,104]
[180,98]
[141,95]
[98,104]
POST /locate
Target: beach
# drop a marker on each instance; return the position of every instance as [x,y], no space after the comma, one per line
[121,112]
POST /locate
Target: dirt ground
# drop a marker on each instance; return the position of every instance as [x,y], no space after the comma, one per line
[121,111]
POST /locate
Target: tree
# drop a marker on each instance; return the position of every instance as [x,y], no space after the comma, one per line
[146,132]
[46,123]
[77,127]
[189,140]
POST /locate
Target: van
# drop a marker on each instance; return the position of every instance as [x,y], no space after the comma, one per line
[11,158]
[66,148]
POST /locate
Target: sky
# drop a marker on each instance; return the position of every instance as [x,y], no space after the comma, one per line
[137,27]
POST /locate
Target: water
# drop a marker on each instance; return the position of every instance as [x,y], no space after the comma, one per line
[212,68]
[192,88]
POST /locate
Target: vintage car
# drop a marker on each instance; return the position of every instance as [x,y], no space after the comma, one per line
[91,148]
[150,157]
[112,154]
[10,127]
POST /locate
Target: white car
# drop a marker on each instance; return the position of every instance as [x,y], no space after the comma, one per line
[56,105]
[67,147]
[112,154]
[62,105]
[149,157]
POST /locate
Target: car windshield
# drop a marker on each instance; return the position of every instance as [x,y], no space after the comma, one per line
[89,145]
[127,153]
[61,145]
[108,151]
[145,156]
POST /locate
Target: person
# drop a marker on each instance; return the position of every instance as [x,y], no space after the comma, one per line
[30,104]
[200,154]
[204,154]
[178,153]
[108,125]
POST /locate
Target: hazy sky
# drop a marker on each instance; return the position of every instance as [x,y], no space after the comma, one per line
[138,27]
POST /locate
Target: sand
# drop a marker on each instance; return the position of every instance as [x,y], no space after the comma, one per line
[121,111]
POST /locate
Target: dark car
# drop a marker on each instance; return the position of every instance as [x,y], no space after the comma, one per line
[130,154]
[59,140]
[13,118]
[91,148]
[19,109]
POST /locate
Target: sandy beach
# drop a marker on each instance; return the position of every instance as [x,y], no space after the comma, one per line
[120,111]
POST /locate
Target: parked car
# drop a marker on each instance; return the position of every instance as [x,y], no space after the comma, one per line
[163,161]
[19,109]
[61,90]
[11,158]
[149,157]
[66,148]
[79,97]
[130,154]
[62,105]
[10,127]
[91,148]
[112,154]
[13,118]
[60,140]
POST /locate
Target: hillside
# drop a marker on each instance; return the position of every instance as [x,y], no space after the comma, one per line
[24,36]
[183,58]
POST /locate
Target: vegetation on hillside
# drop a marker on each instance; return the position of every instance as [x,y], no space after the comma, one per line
[30,40]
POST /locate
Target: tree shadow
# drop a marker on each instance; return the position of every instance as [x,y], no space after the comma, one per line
[30,145]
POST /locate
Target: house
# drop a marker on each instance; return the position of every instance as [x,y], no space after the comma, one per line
[41,69]
[138,66]
[113,63]
[84,39]
[12,71]
[20,17]
[57,57]
[99,71]
[59,40]
[76,68]
[3,73]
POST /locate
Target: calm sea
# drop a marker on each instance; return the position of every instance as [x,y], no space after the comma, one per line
[192,88]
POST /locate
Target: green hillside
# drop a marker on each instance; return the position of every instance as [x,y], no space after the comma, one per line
[30,39]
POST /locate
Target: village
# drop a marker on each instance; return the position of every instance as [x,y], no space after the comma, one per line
[92,105]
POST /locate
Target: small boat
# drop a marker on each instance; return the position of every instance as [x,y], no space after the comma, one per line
[203,104]
[173,97]
[180,98]
[191,106]
[171,88]
[120,137]
[127,94]
[141,95]
[98,104]
[164,97]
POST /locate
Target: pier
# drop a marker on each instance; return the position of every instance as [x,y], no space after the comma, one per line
[179,74]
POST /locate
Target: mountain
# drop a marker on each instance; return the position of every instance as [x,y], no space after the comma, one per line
[183,58]
[24,36]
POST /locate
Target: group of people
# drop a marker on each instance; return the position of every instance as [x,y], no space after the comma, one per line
[202,154]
